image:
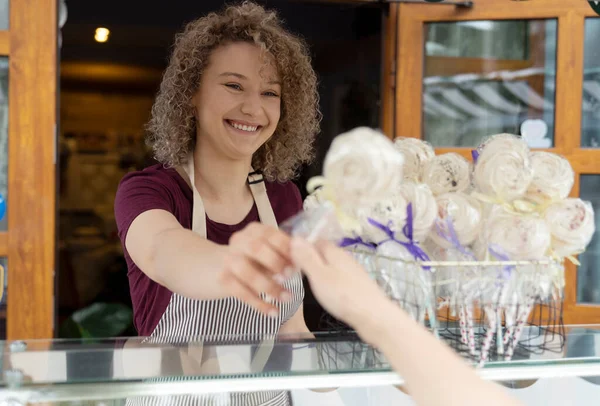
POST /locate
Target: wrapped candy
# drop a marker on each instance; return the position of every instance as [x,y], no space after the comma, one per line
[390,212]
[424,208]
[464,212]
[361,168]
[416,155]
[503,169]
[447,173]
[553,177]
[572,225]
[519,237]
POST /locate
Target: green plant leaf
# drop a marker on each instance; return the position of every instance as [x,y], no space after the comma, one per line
[98,320]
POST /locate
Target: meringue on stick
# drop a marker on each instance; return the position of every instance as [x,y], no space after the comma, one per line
[459,223]
[417,153]
[447,173]
[519,238]
[553,177]
[572,226]
[361,168]
[503,170]
[381,223]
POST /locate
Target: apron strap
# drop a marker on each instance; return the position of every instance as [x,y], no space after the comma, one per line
[257,188]
[259,193]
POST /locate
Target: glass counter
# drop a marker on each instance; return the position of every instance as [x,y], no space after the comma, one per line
[102,372]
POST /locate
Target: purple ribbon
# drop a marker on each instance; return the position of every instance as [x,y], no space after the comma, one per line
[499,253]
[346,242]
[451,236]
[475,155]
[407,230]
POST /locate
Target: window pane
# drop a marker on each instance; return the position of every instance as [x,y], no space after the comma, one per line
[588,274]
[4,16]
[488,77]
[3,137]
[590,126]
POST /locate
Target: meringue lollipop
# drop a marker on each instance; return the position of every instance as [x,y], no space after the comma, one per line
[553,177]
[390,212]
[464,212]
[503,168]
[416,155]
[447,173]
[424,208]
[519,237]
[572,226]
[504,141]
[362,167]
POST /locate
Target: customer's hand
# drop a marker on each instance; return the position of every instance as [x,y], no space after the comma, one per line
[258,261]
[339,283]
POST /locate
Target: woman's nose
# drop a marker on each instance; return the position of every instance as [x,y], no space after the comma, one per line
[251,104]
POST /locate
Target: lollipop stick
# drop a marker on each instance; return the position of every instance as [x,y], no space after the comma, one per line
[511,314]
[522,319]
[463,323]
[470,328]
[489,336]
[499,340]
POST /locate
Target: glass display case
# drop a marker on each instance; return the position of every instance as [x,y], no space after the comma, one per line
[328,369]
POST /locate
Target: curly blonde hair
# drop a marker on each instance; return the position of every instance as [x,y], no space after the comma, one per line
[172,126]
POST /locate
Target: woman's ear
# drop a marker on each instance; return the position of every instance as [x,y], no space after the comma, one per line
[194,103]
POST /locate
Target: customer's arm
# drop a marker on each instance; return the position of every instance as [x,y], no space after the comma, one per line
[433,373]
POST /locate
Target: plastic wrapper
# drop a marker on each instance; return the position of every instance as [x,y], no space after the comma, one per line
[503,168]
[447,173]
[516,237]
[320,223]
[553,177]
[390,212]
[464,212]
[424,208]
[417,154]
[572,225]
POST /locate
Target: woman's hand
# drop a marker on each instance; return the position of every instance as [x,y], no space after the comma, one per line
[339,283]
[258,261]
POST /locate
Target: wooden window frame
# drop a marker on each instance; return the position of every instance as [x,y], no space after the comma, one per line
[31,45]
[570,16]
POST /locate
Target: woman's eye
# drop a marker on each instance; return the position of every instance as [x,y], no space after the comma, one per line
[271,94]
[234,86]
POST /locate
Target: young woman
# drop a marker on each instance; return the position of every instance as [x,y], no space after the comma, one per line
[234,119]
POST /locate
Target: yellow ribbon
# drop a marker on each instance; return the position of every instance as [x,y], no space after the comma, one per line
[518,207]
[319,182]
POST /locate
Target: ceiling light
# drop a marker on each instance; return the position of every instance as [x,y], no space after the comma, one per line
[101,34]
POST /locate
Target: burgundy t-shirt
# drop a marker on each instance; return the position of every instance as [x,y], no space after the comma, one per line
[158,188]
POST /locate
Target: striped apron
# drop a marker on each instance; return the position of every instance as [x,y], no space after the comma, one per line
[226,319]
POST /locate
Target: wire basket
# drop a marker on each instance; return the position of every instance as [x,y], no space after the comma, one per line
[485,310]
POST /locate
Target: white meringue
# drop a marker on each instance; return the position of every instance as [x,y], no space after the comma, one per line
[447,173]
[362,167]
[553,177]
[416,154]
[572,226]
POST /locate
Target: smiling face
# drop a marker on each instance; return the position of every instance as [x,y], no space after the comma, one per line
[238,103]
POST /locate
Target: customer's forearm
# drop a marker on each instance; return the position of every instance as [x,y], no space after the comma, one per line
[433,373]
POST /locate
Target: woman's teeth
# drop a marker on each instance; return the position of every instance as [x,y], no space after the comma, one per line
[248,128]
